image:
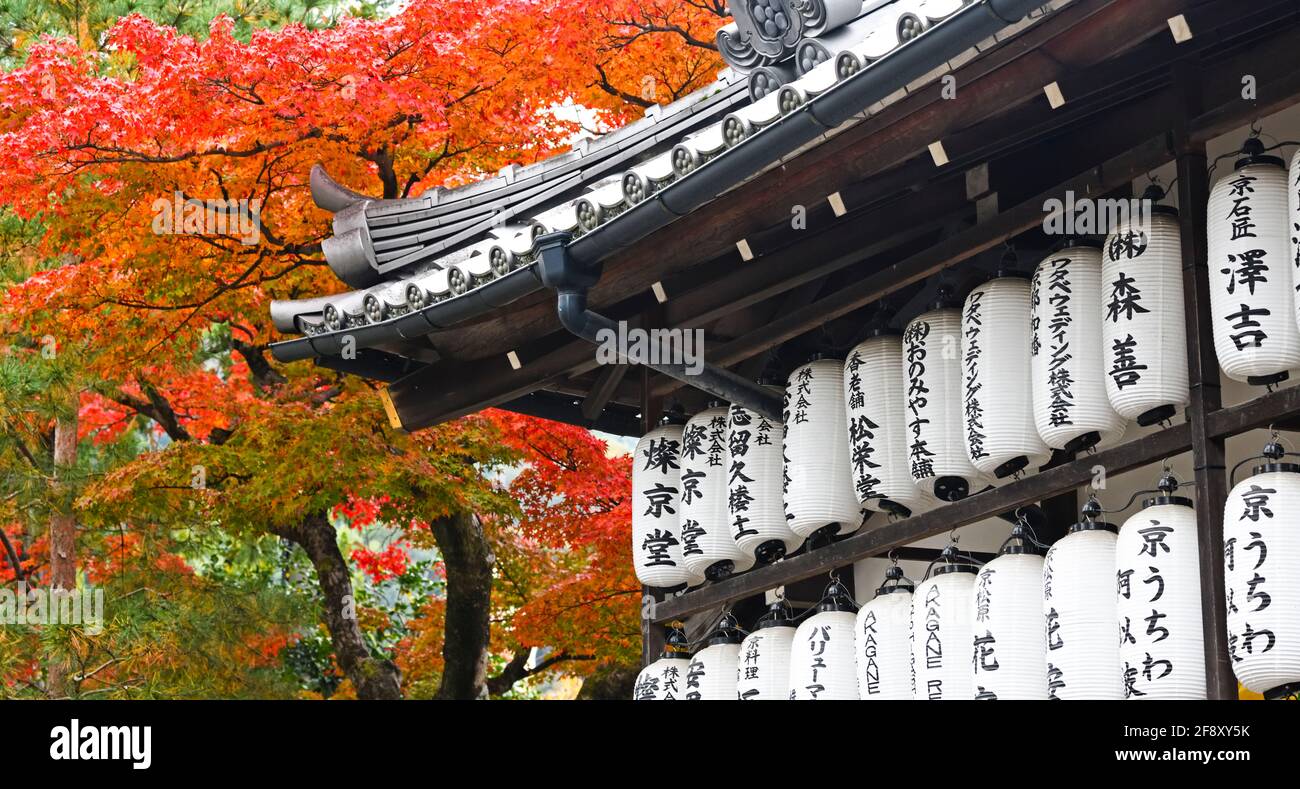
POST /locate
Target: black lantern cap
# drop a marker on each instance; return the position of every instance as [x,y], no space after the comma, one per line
[950,560]
[778,615]
[1021,541]
[1252,152]
[1154,193]
[676,644]
[1274,453]
[1090,511]
[895,581]
[1167,486]
[837,598]
[727,632]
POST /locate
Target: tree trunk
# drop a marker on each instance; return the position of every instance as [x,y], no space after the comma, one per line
[373,678]
[63,537]
[468,559]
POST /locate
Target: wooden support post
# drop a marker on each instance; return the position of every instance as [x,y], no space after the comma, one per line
[652,635]
[1208,456]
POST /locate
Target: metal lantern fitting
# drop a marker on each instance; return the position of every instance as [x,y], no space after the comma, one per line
[1261,559]
[754,477]
[882,637]
[1251,287]
[818,483]
[997,400]
[1071,409]
[942,620]
[708,548]
[1158,598]
[656,507]
[711,675]
[1079,611]
[877,425]
[665,678]
[1143,334]
[932,375]
[822,665]
[1009,643]
[763,668]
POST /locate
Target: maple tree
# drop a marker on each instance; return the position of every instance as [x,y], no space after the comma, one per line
[155,344]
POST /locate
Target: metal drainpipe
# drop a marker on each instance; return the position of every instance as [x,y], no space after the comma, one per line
[571,280]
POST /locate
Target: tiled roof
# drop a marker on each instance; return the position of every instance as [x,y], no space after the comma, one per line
[423,264]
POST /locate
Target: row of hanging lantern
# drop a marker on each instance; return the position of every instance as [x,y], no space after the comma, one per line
[967,395]
[1025,626]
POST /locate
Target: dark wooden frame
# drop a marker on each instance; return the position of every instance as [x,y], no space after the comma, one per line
[1208,424]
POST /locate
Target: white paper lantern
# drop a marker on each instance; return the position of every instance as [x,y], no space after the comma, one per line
[932,373]
[877,426]
[665,678]
[1251,277]
[818,485]
[1080,613]
[708,549]
[1010,647]
[1261,559]
[997,399]
[1293,216]
[1071,409]
[754,500]
[822,664]
[656,507]
[1158,592]
[1143,333]
[764,663]
[941,633]
[711,675]
[883,640]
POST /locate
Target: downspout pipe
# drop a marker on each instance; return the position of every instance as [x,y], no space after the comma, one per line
[572,280]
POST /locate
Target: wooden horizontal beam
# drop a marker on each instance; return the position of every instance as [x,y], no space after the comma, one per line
[880,540]
[1266,410]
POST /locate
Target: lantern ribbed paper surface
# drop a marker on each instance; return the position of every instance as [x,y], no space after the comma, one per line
[764,664]
[1010,647]
[884,646]
[755,503]
[822,664]
[932,371]
[941,636]
[818,485]
[1143,336]
[711,675]
[1158,585]
[877,424]
[708,549]
[1251,296]
[1071,409]
[1293,216]
[1261,559]
[656,506]
[1080,614]
[997,399]
[662,680]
